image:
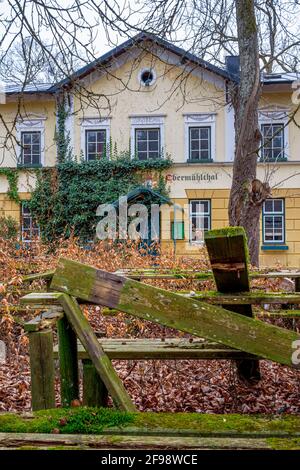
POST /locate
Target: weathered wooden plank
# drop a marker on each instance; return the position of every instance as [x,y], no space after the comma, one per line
[168,350]
[42,369]
[244,298]
[45,320]
[280,314]
[94,391]
[38,276]
[100,360]
[175,311]
[228,254]
[68,362]
[41,299]
[120,441]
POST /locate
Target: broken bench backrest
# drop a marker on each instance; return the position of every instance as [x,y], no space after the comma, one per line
[228,254]
[175,311]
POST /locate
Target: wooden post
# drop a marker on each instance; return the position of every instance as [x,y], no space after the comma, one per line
[68,362]
[172,310]
[228,253]
[100,359]
[297,284]
[42,369]
[94,391]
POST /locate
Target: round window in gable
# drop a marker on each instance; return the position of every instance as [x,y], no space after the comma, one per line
[147,77]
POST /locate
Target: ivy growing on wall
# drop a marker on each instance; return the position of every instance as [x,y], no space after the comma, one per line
[66,197]
[12,179]
[62,137]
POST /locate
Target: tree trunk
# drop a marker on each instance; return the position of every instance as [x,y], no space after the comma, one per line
[247,193]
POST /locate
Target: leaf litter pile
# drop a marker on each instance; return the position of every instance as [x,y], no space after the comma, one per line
[210,386]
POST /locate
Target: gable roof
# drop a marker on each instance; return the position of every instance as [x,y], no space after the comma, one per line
[184,56]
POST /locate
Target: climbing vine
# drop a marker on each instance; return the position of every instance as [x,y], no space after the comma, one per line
[12,179]
[65,199]
[62,137]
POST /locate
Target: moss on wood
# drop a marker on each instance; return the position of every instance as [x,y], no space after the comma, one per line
[84,420]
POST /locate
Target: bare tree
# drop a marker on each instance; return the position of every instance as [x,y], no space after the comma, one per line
[27,60]
[209,28]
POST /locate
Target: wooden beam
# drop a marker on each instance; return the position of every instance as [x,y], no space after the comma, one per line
[45,320]
[228,254]
[175,311]
[243,298]
[120,441]
[95,393]
[100,360]
[42,369]
[40,299]
[47,275]
[68,362]
[169,349]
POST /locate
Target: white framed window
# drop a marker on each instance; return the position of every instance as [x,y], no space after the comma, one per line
[275,135]
[95,144]
[31,138]
[273,148]
[199,219]
[200,144]
[29,229]
[147,137]
[30,148]
[273,221]
[95,138]
[147,143]
[200,137]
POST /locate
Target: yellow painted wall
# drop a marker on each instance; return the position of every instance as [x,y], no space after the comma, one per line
[219,219]
[127,97]
[28,110]
[10,208]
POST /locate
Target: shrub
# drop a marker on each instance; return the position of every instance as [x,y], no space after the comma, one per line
[9,228]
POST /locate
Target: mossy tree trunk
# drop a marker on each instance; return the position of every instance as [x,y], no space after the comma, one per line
[247,193]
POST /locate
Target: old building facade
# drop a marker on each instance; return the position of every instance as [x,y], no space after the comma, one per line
[156,100]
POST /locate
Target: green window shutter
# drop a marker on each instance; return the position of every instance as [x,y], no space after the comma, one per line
[177,230]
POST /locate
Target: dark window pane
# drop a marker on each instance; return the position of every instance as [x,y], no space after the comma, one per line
[153,145]
[141,135]
[194,133]
[36,138]
[153,154]
[26,138]
[278,206]
[100,148]
[204,133]
[204,155]
[195,144]
[91,135]
[268,206]
[204,206]
[142,145]
[195,154]
[154,135]
[142,155]
[36,159]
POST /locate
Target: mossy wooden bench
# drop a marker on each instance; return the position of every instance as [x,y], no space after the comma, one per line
[223,318]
